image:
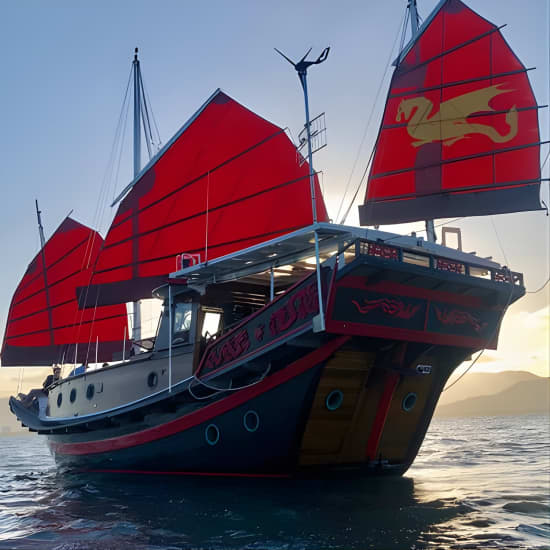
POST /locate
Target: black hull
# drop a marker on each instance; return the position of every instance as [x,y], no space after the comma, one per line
[283,403]
[267,450]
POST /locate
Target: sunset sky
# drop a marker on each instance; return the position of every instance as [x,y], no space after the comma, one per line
[65,69]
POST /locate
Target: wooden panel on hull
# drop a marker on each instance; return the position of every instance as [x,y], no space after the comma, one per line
[401,425]
[326,438]
[403,428]
[343,436]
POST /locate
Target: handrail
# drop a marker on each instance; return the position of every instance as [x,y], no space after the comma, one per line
[434,261]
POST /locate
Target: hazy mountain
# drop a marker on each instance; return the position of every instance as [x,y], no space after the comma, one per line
[8,423]
[477,384]
[525,397]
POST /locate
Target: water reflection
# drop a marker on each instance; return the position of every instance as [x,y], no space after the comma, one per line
[480,489]
[163,511]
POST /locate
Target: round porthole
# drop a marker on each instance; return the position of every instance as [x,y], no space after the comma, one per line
[212,434]
[90,391]
[59,399]
[72,395]
[152,379]
[334,400]
[409,401]
[251,421]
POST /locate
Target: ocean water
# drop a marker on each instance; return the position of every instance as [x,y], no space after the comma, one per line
[477,483]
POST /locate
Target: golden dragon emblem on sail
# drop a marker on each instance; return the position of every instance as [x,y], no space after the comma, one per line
[450,124]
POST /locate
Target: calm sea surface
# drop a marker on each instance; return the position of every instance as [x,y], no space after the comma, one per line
[477,483]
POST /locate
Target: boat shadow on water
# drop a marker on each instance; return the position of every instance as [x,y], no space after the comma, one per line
[81,511]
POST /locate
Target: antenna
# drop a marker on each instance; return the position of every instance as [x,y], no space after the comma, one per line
[301,68]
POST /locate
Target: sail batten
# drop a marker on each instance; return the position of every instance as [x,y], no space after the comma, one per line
[204,212]
[454,49]
[468,81]
[461,159]
[197,179]
[460,119]
[44,322]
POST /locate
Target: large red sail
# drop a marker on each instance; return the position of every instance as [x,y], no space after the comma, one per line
[228,180]
[460,134]
[44,323]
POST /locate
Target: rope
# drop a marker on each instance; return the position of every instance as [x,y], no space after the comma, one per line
[388,65]
[20,381]
[488,339]
[502,314]
[148,102]
[538,289]
[220,390]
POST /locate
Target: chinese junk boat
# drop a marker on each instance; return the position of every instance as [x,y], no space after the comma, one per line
[287,344]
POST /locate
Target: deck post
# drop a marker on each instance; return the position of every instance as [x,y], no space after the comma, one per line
[170,333]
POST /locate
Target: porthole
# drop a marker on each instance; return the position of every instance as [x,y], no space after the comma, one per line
[251,421]
[212,434]
[59,399]
[409,401]
[152,379]
[72,395]
[90,391]
[334,400]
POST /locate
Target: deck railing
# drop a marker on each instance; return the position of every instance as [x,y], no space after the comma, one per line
[433,261]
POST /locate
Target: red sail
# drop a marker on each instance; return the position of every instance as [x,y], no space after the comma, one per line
[228,180]
[460,133]
[44,323]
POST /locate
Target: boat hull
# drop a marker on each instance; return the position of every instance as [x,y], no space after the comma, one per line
[275,395]
[281,425]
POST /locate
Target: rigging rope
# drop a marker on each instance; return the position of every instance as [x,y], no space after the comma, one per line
[148,102]
[538,289]
[369,120]
[220,390]
[493,334]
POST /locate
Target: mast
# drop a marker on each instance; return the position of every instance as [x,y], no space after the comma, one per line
[40,228]
[44,270]
[137,115]
[136,332]
[430,229]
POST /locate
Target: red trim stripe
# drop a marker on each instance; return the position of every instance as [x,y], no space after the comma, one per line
[202,415]
[381,415]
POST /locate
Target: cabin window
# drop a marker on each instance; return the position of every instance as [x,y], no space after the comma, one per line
[152,379]
[182,322]
[211,323]
[90,391]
